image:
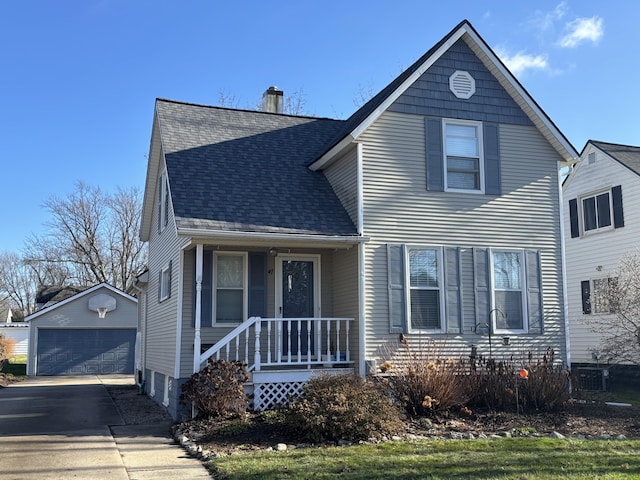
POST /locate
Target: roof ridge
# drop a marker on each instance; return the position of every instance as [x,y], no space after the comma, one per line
[613,143]
[245,110]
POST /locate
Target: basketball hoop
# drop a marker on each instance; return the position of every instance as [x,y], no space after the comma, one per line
[102,303]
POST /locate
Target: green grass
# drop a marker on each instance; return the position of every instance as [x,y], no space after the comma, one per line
[504,459]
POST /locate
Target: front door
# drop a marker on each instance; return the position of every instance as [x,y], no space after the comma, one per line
[298,297]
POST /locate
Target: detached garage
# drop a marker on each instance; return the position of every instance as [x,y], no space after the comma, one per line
[92,332]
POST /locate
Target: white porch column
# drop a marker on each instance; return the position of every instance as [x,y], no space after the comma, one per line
[198,313]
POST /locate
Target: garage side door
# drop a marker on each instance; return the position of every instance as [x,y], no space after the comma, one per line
[85,351]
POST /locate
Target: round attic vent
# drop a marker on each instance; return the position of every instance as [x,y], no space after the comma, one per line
[462,84]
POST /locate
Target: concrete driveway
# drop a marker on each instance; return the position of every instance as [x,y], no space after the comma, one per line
[69,428]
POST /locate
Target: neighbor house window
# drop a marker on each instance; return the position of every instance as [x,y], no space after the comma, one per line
[230,303]
[596,212]
[508,312]
[425,292]
[599,295]
[463,155]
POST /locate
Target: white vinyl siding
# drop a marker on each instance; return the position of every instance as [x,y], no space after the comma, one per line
[399,209]
[162,318]
[343,175]
[591,257]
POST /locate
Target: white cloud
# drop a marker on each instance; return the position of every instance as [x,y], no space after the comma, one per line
[520,62]
[582,30]
[544,21]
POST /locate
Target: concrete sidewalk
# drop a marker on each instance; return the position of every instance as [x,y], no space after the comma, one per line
[69,428]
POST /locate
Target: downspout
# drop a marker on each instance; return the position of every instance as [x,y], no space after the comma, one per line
[140,377]
[198,313]
[565,302]
[176,373]
[361,265]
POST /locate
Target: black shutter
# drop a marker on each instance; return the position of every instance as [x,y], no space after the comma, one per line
[257,284]
[585,286]
[434,154]
[573,216]
[618,214]
[170,278]
[492,180]
[395,275]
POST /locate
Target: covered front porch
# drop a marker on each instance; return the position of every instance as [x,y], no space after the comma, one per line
[300,307]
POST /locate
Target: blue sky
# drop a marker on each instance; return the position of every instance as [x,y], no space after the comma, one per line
[79,77]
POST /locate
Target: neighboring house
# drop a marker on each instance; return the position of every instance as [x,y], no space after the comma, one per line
[297,244]
[91,332]
[602,224]
[6,315]
[17,331]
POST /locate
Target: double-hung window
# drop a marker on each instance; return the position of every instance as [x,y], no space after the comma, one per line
[163,202]
[230,287]
[599,295]
[596,212]
[508,279]
[165,282]
[425,289]
[463,155]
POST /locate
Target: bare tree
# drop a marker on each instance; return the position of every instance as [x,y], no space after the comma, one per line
[19,283]
[91,235]
[620,296]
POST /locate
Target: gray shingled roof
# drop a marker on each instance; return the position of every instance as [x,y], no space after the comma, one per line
[246,171]
[625,154]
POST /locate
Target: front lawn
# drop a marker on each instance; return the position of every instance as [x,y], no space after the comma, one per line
[499,458]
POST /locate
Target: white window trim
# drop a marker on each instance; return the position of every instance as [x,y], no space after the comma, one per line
[596,230]
[245,288]
[523,292]
[480,139]
[165,278]
[441,288]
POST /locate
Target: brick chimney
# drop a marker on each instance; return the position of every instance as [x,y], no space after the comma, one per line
[273,100]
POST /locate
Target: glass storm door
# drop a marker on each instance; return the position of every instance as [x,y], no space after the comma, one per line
[298,291]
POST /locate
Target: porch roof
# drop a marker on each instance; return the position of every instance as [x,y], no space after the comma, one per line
[246,171]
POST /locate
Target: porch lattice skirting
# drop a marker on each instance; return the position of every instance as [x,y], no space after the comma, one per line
[270,395]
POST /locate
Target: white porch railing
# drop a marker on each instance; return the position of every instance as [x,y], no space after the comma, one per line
[285,342]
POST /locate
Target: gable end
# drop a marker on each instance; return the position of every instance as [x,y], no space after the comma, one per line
[431,94]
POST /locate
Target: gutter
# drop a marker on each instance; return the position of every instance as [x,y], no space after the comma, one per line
[250,238]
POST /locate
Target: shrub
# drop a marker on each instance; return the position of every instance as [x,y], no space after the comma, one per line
[342,407]
[6,349]
[422,381]
[217,390]
[498,386]
[548,386]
